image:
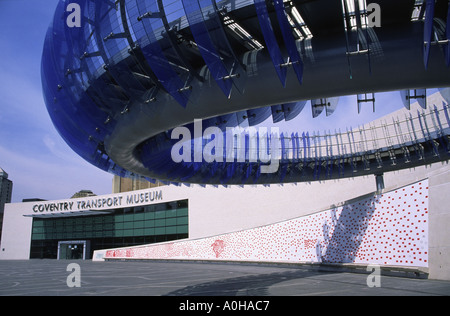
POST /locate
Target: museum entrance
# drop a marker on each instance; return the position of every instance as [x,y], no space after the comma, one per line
[72,249]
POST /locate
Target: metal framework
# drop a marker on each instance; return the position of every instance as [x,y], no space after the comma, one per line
[118,85]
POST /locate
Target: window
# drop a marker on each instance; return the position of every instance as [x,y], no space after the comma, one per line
[125,227]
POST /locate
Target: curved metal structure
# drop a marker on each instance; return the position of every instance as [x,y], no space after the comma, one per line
[122,77]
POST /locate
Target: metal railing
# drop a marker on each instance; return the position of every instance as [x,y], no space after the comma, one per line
[381,135]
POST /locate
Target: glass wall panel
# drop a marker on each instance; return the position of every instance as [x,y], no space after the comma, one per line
[270,39]
[286,31]
[124,227]
[147,24]
[208,50]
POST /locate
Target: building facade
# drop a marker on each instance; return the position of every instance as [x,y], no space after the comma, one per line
[394,219]
[74,228]
[6,186]
[122,79]
[345,221]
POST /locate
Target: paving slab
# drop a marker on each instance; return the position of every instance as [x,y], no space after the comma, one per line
[199,279]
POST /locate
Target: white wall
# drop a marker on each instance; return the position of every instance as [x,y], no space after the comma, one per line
[439,243]
[16,234]
[389,229]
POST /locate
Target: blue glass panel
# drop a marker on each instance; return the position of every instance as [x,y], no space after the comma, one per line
[447,35]
[226,170]
[317,107]
[220,41]
[438,119]
[271,42]
[428,31]
[207,49]
[329,148]
[295,146]
[304,147]
[230,169]
[340,155]
[263,143]
[277,113]
[89,116]
[289,41]
[283,147]
[291,110]
[421,124]
[331,105]
[247,147]
[308,144]
[110,29]
[257,116]
[247,171]
[405,96]
[447,116]
[421,96]
[257,154]
[257,175]
[66,78]
[353,138]
[445,93]
[316,156]
[411,121]
[145,32]
[283,171]
[73,113]
[242,117]
[87,62]
[329,167]
[113,46]
[229,120]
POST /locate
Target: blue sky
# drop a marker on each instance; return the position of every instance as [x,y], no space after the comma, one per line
[38,161]
[36,158]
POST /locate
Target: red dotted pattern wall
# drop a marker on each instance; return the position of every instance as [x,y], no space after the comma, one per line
[387,229]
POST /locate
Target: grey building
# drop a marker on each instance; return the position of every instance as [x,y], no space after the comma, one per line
[5,194]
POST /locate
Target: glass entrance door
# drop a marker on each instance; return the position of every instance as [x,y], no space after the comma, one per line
[72,250]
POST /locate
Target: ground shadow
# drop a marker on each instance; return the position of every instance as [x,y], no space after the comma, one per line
[252,285]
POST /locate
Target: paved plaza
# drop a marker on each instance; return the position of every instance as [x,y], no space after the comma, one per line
[153,278]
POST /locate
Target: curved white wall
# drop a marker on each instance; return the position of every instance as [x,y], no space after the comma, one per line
[386,229]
